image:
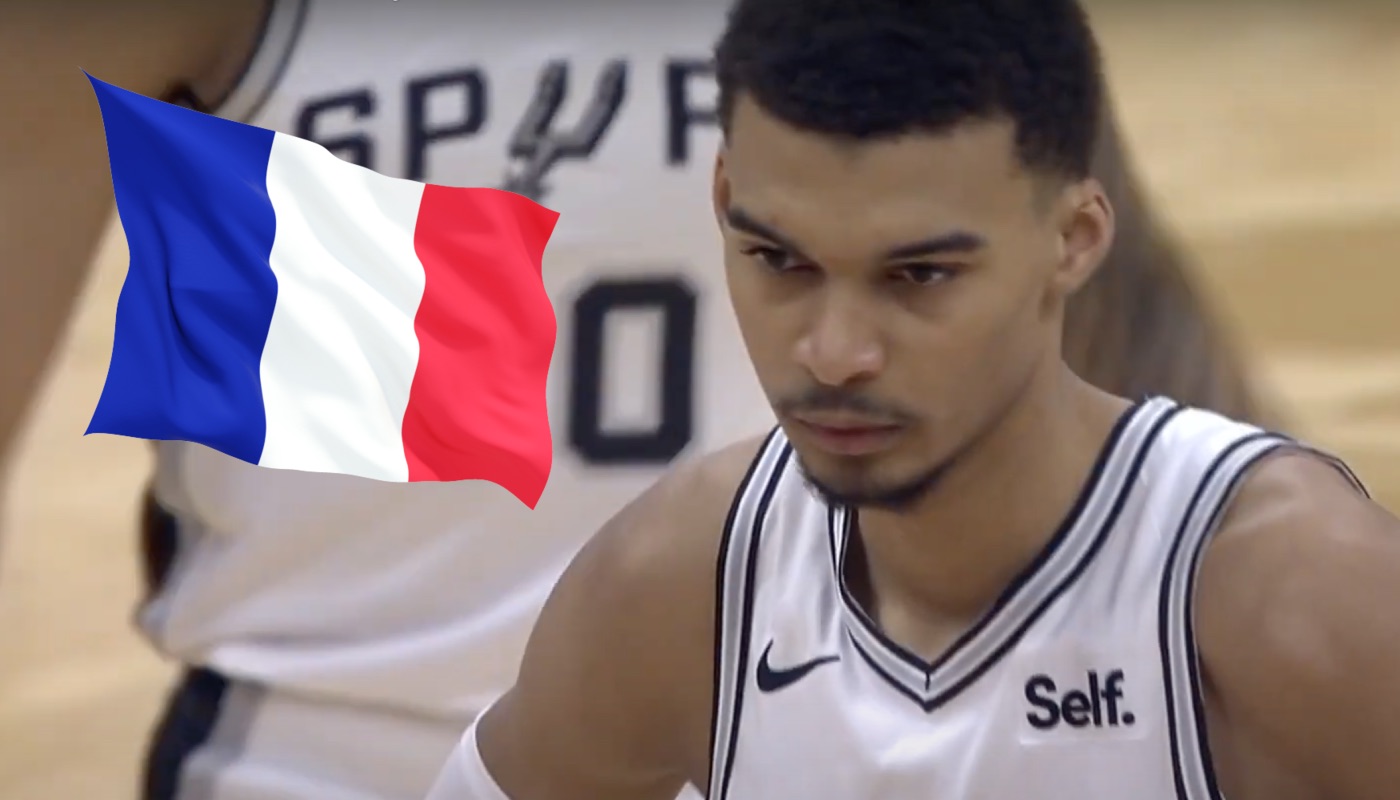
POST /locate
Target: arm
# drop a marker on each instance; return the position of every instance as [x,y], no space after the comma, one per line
[613,695]
[55,187]
[1300,638]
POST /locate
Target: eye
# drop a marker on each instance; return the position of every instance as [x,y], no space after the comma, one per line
[923,274]
[773,258]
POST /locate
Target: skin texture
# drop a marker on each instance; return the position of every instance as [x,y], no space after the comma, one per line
[55,187]
[1292,594]
[963,343]
[1299,653]
[935,346]
[625,720]
[1299,638]
[1137,327]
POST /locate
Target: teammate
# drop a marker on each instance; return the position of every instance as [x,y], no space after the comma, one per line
[341,633]
[955,569]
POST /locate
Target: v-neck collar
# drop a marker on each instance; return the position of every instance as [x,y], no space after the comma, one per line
[1080,537]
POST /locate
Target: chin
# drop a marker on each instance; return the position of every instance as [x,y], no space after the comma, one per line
[863,487]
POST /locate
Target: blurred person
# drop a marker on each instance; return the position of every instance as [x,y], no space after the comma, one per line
[955,569]
[1141,324]
[338,634]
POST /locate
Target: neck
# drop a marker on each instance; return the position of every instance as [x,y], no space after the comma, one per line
[954,553]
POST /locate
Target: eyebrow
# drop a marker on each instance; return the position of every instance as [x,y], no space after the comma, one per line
[957,241]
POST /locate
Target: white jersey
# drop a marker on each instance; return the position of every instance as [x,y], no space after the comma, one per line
[420,597]
[1082,682]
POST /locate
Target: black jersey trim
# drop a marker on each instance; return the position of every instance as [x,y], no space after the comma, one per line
[980,637]
[1196,524]
[187,94]
[1195,533]
[193,711]
[1071,577]
[283,23]
[723,558]
[874,664]
[722,765]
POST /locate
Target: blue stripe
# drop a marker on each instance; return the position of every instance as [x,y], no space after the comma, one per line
[194,312]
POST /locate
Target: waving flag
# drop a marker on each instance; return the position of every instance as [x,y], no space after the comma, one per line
[296,311]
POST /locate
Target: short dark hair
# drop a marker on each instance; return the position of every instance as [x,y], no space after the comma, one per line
[870,69]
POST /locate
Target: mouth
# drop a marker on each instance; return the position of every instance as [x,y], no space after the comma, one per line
[846,435]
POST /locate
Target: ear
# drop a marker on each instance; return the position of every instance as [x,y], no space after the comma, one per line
[1085,225]
[719,193]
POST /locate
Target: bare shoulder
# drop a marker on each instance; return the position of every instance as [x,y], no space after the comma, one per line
[1298,527]
[668,539]
[613,694]
[652,568]
[1299,623]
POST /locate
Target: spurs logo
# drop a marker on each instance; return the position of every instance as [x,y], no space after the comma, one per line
[538,144]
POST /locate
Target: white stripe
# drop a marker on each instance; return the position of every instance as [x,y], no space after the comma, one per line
[341,351]
[732,671]
[1111,484]
[268,61]
[1219,489]
[1078,543]
[1215,499]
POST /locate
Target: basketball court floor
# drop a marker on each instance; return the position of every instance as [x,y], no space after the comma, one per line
[1271,136]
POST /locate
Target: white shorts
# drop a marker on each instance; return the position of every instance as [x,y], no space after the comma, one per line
[237,741]
[228,740]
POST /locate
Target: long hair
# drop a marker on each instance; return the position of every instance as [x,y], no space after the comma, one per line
[1142,326]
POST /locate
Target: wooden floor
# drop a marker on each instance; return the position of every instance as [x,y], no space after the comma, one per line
[1268,135]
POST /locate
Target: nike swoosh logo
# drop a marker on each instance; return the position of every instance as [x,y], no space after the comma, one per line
[771,680]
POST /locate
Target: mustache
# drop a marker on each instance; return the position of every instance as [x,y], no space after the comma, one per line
[831,398]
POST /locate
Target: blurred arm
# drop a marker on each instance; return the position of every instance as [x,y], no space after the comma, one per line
[55,186]
[588,715]
[614,694]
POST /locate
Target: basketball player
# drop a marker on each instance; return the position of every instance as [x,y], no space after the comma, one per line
[339,633]
[955,569]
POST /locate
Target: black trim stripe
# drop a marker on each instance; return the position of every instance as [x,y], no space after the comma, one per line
[1219,482]
[846,519]
[1068,554]
[745,642]
[187,94]
[1327,458]
[1075,572]
[192,711]
[739,558]
[160,544]
[264,26]
[720,605]
[1192,764]
[267,64]
[167,544]
[894,682]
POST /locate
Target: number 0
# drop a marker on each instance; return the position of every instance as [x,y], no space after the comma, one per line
[676,302]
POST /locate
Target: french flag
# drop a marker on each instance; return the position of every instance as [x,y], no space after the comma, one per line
[296,311]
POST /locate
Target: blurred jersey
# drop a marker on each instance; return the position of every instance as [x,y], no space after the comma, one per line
[420,597]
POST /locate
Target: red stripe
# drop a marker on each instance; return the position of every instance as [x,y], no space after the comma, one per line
[476,410]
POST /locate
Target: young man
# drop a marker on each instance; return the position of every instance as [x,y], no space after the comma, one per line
[955,569]
[341,633]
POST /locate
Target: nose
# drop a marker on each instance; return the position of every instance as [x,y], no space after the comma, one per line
[842,344]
